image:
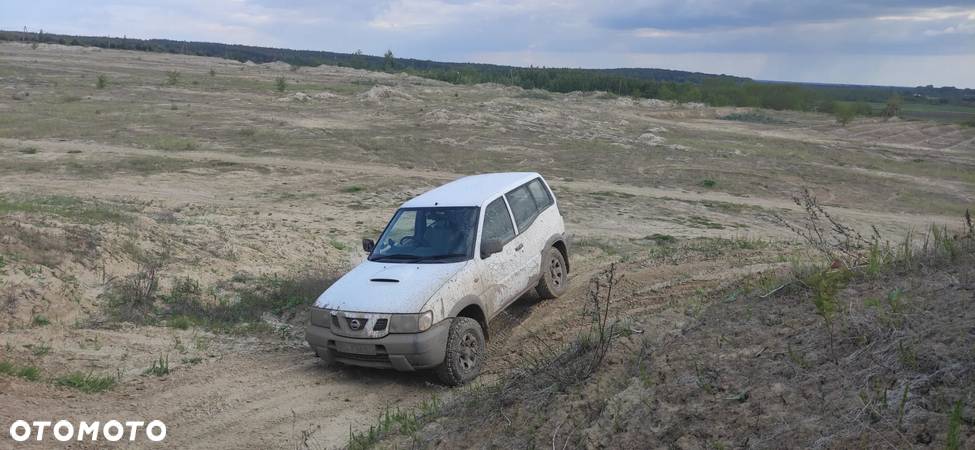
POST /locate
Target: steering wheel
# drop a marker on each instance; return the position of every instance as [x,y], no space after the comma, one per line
[406,240]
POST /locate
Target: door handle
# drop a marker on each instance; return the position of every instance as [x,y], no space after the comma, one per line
[519,247]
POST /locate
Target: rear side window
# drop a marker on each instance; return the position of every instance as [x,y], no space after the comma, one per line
[522,206]
[527,201]
[497,222]
[539,194]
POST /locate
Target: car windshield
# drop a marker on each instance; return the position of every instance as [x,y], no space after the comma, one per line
[428,235]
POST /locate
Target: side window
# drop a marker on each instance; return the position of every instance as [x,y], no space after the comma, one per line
[497,222]
[522,206]
[540,194]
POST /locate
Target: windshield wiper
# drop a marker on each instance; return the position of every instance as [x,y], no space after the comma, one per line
[439,257]
[396,256]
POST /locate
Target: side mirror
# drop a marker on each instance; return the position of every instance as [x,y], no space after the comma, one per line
[368,245]
[491,247]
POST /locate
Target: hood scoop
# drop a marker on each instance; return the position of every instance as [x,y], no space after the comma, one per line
[384,280]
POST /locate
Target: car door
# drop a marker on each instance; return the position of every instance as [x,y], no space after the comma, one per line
[524,211]
[500,270]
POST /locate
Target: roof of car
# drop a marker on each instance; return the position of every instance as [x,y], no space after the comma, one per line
[473,190]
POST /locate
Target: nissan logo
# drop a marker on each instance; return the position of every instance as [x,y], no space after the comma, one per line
[356,324]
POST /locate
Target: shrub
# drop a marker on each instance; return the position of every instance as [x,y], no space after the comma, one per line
[101,81]
[280,84]
[844,113]
[172,77]
[132,298]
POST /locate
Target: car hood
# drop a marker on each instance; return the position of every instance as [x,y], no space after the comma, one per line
[377,287]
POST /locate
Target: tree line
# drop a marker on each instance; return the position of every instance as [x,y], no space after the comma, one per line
[674,85]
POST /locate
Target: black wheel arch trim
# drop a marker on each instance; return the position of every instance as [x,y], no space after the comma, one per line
[472,300]
[554,241]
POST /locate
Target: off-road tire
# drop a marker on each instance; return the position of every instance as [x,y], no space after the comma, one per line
[555,276]
[465,352]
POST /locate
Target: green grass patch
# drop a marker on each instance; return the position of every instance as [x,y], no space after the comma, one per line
[71,208]
[187,304]
[174,143]
[40,350]
[405,422]
[700,222]
[86,382]
[29,373]
[753,117]
[159,367]
[353,189]
[40,321]
[661,239]
[180,322]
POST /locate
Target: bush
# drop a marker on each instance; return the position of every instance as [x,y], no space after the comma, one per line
[101,82]
[844,113]
[280,84]
[172,78]
[132,299]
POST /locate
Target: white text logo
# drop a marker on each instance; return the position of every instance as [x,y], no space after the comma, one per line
[64,431]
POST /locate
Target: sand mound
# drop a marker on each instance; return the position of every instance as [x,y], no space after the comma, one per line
[276,65]
[656,103]
[296,97]
[324,96]
[625,101]
[447,117]
[652,140]
[380,93]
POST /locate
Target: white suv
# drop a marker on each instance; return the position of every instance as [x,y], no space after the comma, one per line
[449,261]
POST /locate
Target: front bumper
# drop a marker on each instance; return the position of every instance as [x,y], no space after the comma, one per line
[404,352]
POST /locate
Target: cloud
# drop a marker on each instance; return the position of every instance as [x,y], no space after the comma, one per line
[831,40]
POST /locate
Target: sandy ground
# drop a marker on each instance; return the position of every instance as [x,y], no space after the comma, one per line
[232,177]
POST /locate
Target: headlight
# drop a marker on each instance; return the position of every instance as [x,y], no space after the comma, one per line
[321,317]
[410,323]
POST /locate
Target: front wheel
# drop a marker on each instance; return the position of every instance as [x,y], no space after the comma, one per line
[555,277]
[465,352]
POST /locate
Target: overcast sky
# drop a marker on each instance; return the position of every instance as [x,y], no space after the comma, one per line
[894,42]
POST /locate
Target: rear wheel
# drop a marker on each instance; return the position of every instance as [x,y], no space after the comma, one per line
[465,352]
[555,277]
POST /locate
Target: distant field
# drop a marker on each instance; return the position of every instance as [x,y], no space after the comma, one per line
[941,113]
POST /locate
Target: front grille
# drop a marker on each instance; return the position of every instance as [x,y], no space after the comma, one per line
[380,325]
